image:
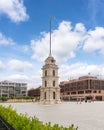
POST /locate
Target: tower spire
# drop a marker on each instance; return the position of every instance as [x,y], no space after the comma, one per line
[50,34]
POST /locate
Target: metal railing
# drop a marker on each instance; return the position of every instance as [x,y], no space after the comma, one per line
[4,125]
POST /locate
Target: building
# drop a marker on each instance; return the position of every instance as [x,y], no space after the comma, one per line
[12,89]
[50,90]
[83,88]
[34,92]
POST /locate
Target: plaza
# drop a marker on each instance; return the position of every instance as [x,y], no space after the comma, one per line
[87,116]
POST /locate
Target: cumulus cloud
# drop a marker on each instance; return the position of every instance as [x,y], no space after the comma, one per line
[18,65]
[2,66]
[14,9]
[25,48]
[33,81]
[65,41]
[5,41]
[18,78]
[20,71]
[66,72]
[94,40]
[80,69]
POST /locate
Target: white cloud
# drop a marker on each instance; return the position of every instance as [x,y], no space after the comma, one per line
[18,78]
[66,72]
[80,28]
[18,65]
[20,71]
[14,9]
[80,69]
[25,48]
[33,81]
[5,41]
[94,40]
[2,66]
[65,41]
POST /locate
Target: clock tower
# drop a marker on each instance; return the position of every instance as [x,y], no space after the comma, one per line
[50,90]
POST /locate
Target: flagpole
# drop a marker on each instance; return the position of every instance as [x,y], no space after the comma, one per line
[50,33]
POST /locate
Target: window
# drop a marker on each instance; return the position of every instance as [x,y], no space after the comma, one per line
[53,72]
[73,92]
[45,72]
[99,91]
[45,83]
[80,92]
[95,91]
[88,91]
[53,83]
[45,95]
[68,93]
[53,95]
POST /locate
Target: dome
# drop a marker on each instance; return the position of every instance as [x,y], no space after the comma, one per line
[50,60]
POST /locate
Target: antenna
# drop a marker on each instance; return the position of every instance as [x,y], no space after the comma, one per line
[50,34]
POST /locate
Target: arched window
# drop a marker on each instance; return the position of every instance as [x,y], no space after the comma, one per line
[53,95]
[53,83]
[45,83]
[45,72]
[45,95]
[53,72]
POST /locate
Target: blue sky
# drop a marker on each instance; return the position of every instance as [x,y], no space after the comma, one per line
[77,38]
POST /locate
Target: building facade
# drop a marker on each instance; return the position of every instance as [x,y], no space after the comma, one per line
[12,89]
[34,92]
[50,90]
[83,88]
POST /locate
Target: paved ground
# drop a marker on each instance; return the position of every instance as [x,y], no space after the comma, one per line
[87,116]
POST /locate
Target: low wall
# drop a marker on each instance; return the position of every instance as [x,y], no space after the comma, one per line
[20,100]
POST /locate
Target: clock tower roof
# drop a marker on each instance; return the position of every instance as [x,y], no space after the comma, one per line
[50,60]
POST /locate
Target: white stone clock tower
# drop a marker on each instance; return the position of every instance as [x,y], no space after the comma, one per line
[50,90]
